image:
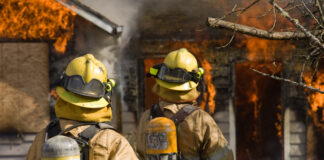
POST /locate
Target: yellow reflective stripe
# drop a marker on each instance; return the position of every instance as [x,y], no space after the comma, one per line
[63,158]
[153,71]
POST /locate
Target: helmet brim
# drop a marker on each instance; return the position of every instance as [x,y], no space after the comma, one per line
[177,86]
[80,101]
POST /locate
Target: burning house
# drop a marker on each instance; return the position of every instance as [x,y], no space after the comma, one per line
[262,118]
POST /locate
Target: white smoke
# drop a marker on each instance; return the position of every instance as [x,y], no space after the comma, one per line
[121,12]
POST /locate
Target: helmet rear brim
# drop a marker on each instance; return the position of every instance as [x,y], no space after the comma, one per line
[177,86]
[81,101]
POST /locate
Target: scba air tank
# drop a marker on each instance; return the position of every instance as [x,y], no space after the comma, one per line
[60,148]
[161,139]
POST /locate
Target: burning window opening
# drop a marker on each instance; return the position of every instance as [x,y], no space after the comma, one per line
[48,20]
[258,102]
[315,112]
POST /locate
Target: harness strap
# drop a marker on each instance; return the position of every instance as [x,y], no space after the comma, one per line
[89,133]
[83,138]
[183,113]
[177,118]
[156,111]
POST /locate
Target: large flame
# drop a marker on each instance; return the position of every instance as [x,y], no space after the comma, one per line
[316,99]
[36,19]
[259,49]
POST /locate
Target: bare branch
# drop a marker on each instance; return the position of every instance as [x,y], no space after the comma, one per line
[288,80]
[316,69]
[298,25]
[318,4]
[266,13]
[275,19]
[249,6]
[307,59]
[310,12]
[229,42]
[213,22]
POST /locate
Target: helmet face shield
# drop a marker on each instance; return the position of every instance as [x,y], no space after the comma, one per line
[176,75]
[77,85]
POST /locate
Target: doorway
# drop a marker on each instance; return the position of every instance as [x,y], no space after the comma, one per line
[258,113]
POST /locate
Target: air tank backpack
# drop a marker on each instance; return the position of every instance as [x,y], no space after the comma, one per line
[60,146]
[161,133]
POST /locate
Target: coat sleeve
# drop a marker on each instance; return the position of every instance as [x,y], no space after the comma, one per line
[121,149]
[214,145]
[140,135]
[110,145]
[34,152]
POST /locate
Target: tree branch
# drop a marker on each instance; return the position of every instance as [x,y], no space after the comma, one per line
[214,22]
[310,12]
[298,25]
[318,4]
[287,80]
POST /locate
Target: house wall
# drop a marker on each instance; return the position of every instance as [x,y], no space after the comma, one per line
[24,80]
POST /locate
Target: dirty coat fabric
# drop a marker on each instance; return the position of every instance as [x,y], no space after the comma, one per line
[105,145]
[198,135]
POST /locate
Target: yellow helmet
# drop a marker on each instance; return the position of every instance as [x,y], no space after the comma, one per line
[173,77]
[85,83]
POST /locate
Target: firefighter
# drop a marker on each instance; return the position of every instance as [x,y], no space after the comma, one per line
[83,110]
[198,136]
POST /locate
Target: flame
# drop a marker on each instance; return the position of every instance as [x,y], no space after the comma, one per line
[211,91]
[262,49]
[257,102]
[54,93]
[278,124]
[316,99]
[37,19]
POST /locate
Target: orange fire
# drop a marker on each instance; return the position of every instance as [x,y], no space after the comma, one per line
[36,19]
[210,87]
[54,93]
[316,99]
[278,124]
[254,90]
[262,49]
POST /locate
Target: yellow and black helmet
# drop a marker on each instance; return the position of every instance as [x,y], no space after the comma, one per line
[179,71]
[85,83]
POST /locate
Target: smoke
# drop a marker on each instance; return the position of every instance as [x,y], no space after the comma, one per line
[121,12]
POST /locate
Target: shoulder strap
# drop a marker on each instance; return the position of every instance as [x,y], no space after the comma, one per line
[156,111]
[88,134]
[183,113]
[54,129]
[91,131]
